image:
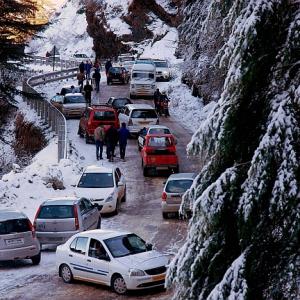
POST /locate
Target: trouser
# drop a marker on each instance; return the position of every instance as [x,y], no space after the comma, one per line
[166,111]
[80,82]
[88,99]
[97,85]
[110,150]
[122,150]
[99,147]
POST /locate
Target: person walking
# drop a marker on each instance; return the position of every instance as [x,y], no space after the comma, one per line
[111,142]
[165,104]
[99,136]
[80,78]
[97,77]
[81,67]
[108,65]
[124,134]
[88,67]
[156,97]
[88,92]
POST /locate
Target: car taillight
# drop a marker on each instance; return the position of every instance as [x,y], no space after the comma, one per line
[164,196]
[76,217]
[31,229]
[130,122]
[36,216]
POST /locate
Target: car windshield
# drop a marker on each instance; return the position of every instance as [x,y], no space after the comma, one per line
[115,70]
[14,226]
[96,180]
[141,61]
[160,141]
[125,245]
[178,186]
[104,116]
[56,212]
[144,114]
[126,58]
[161,64]
[74,99]
[159,131]
[143,75]
[120,102]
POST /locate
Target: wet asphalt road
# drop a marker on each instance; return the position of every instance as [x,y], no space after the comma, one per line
[141,213]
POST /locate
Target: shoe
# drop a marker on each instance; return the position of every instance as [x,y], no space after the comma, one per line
[97,158]
[101,157]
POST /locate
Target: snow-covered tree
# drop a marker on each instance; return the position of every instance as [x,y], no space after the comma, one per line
[243,240]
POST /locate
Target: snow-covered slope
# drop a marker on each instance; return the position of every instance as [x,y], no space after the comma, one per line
[67,32]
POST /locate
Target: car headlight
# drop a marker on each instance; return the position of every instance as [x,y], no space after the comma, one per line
[136,272]
[110,198]
[165,72]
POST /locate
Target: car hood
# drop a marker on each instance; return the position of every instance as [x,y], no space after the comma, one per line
[93,193]
[144,261]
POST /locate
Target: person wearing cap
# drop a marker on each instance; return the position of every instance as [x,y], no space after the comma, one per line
[124,134]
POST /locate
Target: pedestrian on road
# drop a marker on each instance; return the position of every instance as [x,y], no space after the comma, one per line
[165,102]
[81,67]
[97,65]
[97,77]
[88,67]
[99,136]
[157,96]
[111,138]
[80,78]
[108,65]
[88,92]
[124,134]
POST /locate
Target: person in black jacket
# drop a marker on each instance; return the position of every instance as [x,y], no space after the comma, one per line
[111,138]
[88,92]
[97,77]
[108,65]
[81,67]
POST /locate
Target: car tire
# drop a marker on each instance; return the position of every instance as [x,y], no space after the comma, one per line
[80,133]
[145,171]
[176,169]
[66,273]
[165,215]
[118,285]
[36,259]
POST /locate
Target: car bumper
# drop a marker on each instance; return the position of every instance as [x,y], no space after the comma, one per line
[20,253]
[107,207]
[144,282]
[172,208]
[161,166]
[142,92]
[54,238]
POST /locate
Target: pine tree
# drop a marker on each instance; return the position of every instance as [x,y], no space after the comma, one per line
[243,240]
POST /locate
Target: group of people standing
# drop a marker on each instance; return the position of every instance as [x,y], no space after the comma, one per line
[161,103]
[111,137]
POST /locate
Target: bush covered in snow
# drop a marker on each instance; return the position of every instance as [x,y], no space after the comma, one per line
[243,240]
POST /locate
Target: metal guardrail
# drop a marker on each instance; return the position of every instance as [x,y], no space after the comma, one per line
[49,113]
[48,61]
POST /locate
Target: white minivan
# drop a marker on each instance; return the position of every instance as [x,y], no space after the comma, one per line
[143,80]
[138,116]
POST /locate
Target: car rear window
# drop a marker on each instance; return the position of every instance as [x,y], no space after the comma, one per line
[104,116]
[115,70]
[160,141]
[56,212]
[144,114]
[74,99]
[178,186]
[120,102]
[159,131]
[96,180]
[161,64]
[14,226]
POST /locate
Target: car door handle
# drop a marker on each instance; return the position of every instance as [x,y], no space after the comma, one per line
[89,260]
[70,255]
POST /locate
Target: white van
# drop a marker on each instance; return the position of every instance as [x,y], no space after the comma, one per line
[143,80]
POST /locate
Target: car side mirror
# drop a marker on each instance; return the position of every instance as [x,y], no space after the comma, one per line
[104,257]
[149,247]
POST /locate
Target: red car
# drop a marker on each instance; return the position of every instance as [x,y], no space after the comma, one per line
[93,117]
[159,152]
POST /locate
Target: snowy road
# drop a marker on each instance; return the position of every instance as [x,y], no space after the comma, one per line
[141,214]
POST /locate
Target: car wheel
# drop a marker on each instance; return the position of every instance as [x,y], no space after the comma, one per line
[124,197]
[118,285]
[80,133]
[165,215]
[145,171]
[66,273]
[36,259]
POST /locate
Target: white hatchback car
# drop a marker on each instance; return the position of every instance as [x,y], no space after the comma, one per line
[104,186]
[121,260]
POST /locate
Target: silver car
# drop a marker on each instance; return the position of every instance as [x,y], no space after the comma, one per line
[59,218]
[175,187]
[17,237]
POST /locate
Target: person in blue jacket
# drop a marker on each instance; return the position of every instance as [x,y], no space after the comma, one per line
[124,134]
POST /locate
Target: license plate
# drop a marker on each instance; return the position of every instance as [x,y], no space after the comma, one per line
[158,277]
[14,242]
[144,122]
[161,168]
